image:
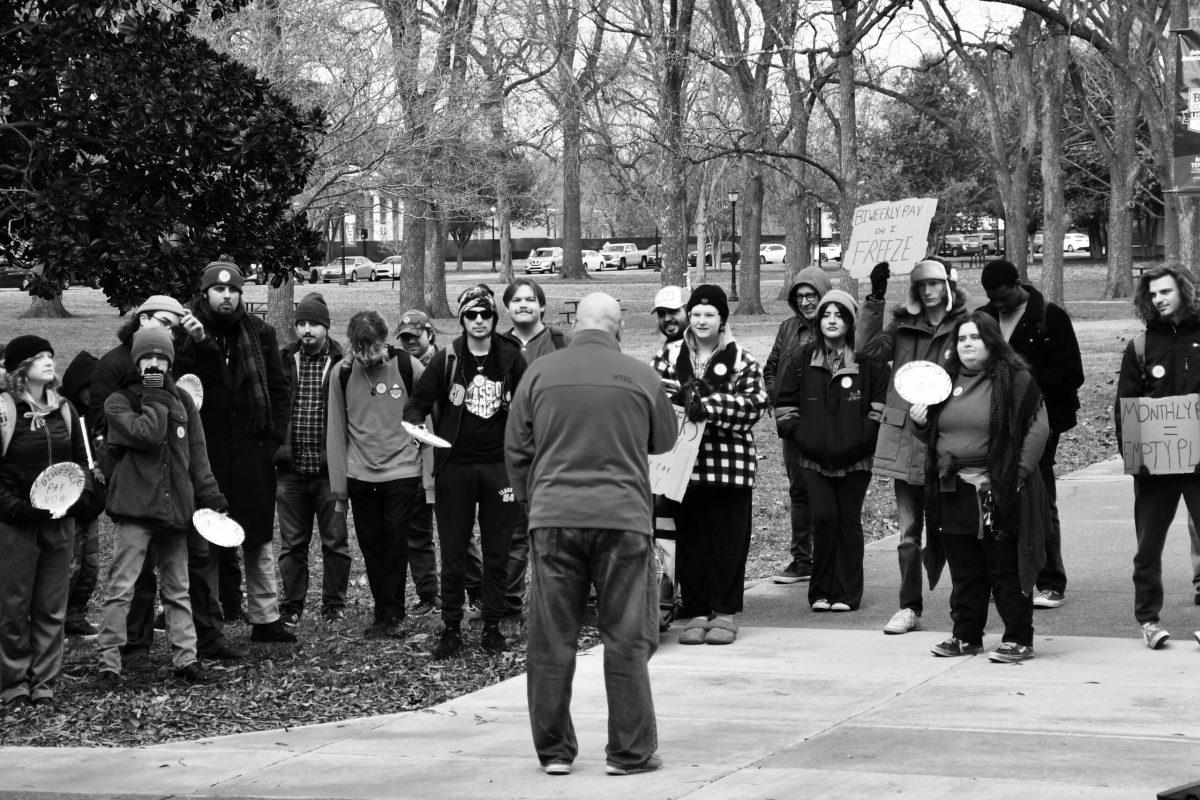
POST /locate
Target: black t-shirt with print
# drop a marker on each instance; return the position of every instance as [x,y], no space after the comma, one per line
[484,412]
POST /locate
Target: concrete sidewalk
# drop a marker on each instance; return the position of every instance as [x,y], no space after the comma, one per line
[816,712]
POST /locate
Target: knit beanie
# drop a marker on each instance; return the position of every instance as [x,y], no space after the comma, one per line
[312,308]
[930,270]
[152,341]
[843,300]
[160,302]
[478,297]
[999,273]
[711,295]
[23,347]
[221,273]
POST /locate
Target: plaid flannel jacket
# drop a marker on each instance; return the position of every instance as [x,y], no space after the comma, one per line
[727,454]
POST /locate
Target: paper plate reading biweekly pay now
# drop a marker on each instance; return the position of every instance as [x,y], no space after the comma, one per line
[923,382]
[218,528]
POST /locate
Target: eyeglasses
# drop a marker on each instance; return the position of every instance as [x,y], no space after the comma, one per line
[474,315]
[807,297]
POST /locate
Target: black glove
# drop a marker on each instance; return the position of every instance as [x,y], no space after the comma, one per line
[879,280]
[26,514]
[153,379]
[692,405]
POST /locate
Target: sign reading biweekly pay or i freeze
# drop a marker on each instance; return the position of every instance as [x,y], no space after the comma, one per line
[895,231]
[1160,435]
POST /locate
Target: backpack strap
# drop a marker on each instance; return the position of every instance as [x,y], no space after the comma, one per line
[1139,352]
[8,420]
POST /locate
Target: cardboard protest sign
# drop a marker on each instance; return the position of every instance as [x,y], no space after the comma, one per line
[57,487]
[1160,435]
[671,471]
[895,231]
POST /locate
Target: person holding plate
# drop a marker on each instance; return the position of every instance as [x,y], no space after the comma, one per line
[920,330]
[719,383]
[37,429]
[986,510]
[827,408]
[160,477]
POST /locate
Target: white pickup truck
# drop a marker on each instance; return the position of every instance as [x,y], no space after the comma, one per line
[622,255]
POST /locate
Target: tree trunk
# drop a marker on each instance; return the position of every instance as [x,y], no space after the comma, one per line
[281,310]
[41,308]
[572,237]
[412,276]
[1054,217]
[436,304]
[844,15]
[672,217]
[749,232]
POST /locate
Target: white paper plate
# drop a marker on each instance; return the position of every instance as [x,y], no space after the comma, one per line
[218,528]
[192,385]
[923,382]
[58,487]
[421,435]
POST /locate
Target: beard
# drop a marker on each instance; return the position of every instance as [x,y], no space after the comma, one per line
[372,357]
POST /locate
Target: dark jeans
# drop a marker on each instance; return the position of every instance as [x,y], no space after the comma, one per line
[710,555]
[383,515]
[910,508]
[566,561]
[228,569]
[139,624]
[85,569]
[802,511]
[518,560]
[422,559]
[299,499]
[460,487]
[977,567]
[1053,576]
[1155,500]
[837,536]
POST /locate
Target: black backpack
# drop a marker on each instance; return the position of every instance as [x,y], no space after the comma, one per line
[403,364]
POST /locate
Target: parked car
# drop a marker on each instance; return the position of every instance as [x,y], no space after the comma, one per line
[830,252]
[592,260]
[622,255]
[959,244]
[727,256]
[1076,241]
[390,267]
[772,254]
[990,242]
[654,256]
[544,259]
[358,268]
[13,277]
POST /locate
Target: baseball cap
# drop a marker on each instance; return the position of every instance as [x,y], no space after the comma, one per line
[670,298]
[414,322]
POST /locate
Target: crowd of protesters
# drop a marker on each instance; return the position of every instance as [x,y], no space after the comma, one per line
[306,433]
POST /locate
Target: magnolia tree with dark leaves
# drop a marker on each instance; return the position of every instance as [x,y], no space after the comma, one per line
[131,153]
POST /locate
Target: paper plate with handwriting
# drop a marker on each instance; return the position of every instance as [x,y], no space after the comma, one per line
[419,433]
[218,528]
[192,385]
[58,487]
[923,382]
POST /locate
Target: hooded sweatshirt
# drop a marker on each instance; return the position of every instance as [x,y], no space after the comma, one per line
[796,331]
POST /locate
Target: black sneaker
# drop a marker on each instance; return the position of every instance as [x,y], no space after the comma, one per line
[106,681]
[333,614]
[22,700]
[793,573]
[43,701]
[449,643]
[425,606]
[193,673]
[138,663]
[956,647]
[394,628]
[226,652]
[290,620]
[378,629]
[649,765]
[273,632]
[492,640]
[79,626]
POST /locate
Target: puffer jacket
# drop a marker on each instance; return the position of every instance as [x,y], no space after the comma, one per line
[162,473]
[795,331]
[909,337]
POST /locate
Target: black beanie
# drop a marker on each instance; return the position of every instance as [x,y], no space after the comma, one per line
[23,347]
[712,295]
[999,273]
[312,308]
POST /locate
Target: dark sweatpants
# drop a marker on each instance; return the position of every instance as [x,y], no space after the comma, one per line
[1053,576]
[837,536]
[139,623]
[710,558]
[460,488]
[1155,500]
[383,514]
[979,567]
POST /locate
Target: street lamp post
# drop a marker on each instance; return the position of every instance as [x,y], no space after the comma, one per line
[493,238]
[733,259]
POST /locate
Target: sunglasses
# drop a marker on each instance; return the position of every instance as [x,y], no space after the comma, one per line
[474,315]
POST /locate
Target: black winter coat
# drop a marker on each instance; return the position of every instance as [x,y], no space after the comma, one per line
[1045,338]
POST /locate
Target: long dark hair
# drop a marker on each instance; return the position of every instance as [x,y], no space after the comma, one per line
[999,351]
[1142,304]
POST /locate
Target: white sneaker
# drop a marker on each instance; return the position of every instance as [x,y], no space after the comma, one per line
[903,621]
[1153,635]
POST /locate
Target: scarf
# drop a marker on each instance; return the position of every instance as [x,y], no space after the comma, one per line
[1013,407]
[248,329]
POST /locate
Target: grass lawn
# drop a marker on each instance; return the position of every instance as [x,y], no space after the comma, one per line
[333,673]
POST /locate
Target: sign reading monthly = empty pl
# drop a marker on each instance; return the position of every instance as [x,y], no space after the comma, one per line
[1160,435]
[895,231]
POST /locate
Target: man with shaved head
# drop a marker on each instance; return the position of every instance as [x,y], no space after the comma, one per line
[588,499]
